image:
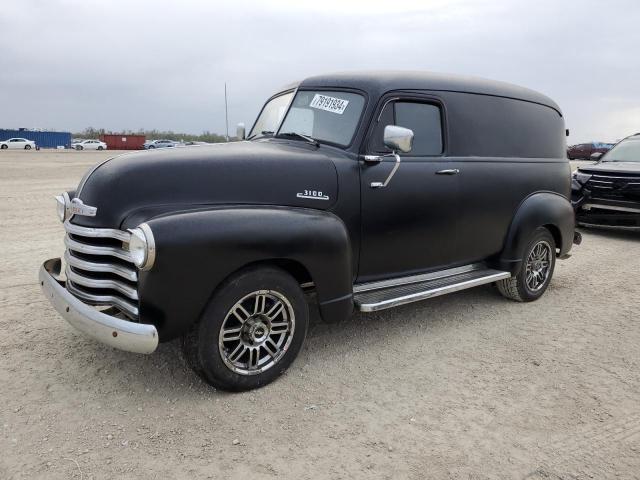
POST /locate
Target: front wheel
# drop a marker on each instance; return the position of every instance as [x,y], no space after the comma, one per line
[4,147]
[536,271]
[79,147]
[251,331]
[27,147]
[100,147]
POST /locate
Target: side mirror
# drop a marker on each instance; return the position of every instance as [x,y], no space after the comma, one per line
[398,139]
[595,156]
[240,132]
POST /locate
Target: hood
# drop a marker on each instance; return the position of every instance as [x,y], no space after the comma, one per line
[612,167]
[131,188]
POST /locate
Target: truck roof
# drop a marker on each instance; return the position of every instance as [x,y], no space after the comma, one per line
[377,82]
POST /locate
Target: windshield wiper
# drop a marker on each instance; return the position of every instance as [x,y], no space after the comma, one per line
[306,138]
[263,133]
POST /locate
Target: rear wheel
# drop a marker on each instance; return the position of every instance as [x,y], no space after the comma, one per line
[251,331]
[536,271]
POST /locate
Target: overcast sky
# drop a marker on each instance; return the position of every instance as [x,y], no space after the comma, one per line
[70,64]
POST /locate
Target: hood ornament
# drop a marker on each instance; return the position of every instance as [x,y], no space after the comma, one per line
[66,208]
[76,207]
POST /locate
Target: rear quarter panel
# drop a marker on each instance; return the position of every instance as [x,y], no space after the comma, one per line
[506,150]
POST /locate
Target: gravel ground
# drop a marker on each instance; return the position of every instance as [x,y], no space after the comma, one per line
[468,385]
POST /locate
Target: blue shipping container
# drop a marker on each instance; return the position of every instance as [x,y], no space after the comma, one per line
[42,139]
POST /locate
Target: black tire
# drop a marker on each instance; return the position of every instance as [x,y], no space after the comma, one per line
[4,147]
[100,148]
[518,288]
[202,345]
[27,147]
[150,147]
[79,147]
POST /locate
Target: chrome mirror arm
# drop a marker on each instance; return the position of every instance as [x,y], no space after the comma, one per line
[393,172]
[395,139]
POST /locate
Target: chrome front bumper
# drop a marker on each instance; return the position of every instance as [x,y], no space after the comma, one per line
[112,331]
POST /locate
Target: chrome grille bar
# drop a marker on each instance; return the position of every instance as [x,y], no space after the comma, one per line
[96,250]
[100,283]
[120,270]
[107,300]
[97,232]
[607,177]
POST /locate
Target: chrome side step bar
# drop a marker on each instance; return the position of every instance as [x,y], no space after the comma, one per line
[371,297]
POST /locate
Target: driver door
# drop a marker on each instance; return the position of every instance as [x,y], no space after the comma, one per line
[409,226]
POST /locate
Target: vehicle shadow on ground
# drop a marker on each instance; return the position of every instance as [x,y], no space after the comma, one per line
[166,371]
[434,313]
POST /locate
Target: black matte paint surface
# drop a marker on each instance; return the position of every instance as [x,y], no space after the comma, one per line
[538,209]
[261,173]
[216,209]
[197,250]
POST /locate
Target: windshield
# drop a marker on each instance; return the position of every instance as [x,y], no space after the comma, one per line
[626,151]
[329,116]
[271,116]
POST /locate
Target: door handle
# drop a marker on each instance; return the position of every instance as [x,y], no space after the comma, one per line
[450,171]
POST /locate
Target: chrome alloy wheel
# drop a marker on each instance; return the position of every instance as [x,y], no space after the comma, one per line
[538,265]
[256,332]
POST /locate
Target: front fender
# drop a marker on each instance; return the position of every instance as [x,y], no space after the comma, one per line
[547,209]
[196,251]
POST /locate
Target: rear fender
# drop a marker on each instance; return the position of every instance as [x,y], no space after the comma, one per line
[542,209]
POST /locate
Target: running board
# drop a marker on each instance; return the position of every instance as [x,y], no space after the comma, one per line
[371,297]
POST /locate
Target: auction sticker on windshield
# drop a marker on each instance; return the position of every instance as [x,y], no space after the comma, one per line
[330,104]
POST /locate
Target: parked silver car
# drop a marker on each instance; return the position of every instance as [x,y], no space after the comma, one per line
[160,144]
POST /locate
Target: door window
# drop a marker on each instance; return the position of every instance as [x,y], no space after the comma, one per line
[424,119]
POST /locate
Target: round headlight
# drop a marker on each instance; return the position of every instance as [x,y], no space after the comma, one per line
[142,247]
[62,204]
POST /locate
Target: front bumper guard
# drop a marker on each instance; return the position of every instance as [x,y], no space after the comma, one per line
[112,331]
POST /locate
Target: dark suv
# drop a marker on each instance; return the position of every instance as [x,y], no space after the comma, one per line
[363,190]
[607,194]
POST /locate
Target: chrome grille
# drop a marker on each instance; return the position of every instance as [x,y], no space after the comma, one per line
[625,187]
[99,268]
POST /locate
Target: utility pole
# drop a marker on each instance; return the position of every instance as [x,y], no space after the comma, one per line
[226,113]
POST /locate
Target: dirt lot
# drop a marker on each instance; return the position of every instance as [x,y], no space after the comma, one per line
[463,386]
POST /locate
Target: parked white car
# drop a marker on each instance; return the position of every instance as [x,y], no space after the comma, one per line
[89,145]
[18,144]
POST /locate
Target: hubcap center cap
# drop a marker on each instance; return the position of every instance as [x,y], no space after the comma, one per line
[257,330]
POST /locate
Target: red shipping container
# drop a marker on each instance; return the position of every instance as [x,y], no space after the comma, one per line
[124,141]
